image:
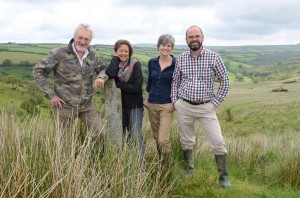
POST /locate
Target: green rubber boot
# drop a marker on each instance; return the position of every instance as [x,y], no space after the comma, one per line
[189,160]
[221,161]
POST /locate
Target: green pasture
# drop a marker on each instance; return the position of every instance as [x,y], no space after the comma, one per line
[8,96]
[29,48]
[243,62]
[233,78]
[17,57]
[260,129]
[257,48]
[259,126]
[234,65]
[262,92]
[242,57]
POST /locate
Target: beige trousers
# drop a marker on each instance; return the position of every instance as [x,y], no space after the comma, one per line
[187,114]
[161,117]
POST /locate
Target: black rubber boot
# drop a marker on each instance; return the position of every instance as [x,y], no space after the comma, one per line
[189,160]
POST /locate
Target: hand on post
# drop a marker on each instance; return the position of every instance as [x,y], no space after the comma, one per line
[98,82]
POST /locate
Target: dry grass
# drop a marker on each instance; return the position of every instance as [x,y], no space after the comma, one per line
[36,161]
[262,92]
[261,139]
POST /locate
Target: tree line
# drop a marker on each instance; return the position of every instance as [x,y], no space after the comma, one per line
[9,63]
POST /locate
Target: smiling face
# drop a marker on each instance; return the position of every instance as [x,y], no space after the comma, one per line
[194,38]
[82,39]
[123,52]
[165,49]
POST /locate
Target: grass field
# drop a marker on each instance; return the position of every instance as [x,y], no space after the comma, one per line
[262,92]
[17,57]
[260,127]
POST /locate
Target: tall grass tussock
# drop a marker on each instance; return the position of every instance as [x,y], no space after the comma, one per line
[37,161]
[261,130]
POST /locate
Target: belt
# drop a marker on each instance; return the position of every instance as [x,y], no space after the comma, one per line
[195,103]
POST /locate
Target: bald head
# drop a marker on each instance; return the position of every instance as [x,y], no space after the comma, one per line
[193,27]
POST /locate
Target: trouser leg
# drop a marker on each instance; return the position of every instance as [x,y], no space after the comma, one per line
[212,128]
[186,121]
[135,132]
[165,124]
[161,117]
[96,129]
[93,121]
[65,119]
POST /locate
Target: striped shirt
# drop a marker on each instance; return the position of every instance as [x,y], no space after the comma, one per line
[194,77]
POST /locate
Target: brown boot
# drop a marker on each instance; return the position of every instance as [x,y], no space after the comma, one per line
[166,159]
[159,151]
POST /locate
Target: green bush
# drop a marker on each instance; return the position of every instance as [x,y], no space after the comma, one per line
[280,89]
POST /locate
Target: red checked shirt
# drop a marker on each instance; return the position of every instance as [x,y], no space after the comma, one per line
[194,78]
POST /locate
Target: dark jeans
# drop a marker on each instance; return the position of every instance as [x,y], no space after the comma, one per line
[132,120]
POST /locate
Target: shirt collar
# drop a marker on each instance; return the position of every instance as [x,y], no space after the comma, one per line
[201,52]
[86,52]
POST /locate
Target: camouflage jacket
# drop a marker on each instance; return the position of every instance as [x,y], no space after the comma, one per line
[72,82]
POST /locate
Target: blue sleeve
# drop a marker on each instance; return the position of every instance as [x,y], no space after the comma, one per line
[148,87]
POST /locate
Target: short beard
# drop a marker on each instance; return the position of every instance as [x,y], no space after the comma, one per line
[195,48]
[80,48]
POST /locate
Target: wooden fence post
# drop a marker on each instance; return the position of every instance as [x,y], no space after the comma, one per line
[113,111]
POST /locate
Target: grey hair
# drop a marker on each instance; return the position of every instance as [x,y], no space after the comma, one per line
[84,26]
[165,39]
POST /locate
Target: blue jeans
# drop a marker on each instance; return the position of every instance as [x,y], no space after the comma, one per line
[132,120]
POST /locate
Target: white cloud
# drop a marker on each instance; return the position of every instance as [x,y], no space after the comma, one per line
[224,22]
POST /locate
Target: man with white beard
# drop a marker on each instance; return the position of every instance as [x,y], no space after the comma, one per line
[74,67]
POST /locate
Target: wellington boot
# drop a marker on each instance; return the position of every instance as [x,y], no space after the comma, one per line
[189,160]
[221,161]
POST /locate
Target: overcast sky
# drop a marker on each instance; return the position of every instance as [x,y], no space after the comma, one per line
[224,22]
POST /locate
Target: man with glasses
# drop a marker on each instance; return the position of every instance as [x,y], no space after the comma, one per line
[194,99]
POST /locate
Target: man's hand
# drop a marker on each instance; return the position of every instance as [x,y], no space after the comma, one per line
[98,82]
[57,102]
[173,104]
[214,106]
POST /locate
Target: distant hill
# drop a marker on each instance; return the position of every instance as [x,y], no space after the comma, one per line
[244,63]
[259,55]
